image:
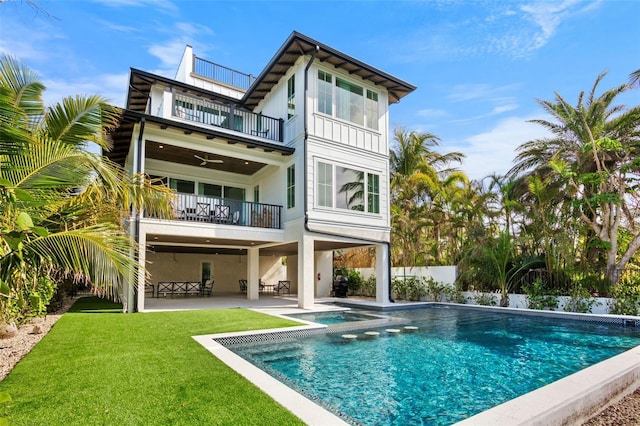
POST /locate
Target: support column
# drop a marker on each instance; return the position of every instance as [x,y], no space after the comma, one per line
[142,275]
[253,273]
[306,279]
[382,274]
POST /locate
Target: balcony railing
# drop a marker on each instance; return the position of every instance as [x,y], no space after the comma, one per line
[222,74]
[227,117]
[224,211]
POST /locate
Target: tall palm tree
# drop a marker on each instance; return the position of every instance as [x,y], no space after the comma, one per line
[63,208]
[592,156]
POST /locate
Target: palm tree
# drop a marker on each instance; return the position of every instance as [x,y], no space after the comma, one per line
[592,158]
[63,208]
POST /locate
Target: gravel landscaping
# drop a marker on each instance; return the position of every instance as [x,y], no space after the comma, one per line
[624,413]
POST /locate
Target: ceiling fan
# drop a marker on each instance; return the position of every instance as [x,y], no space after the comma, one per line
[206,160]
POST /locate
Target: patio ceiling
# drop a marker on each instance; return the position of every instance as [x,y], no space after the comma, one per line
[202,245]
[174,154]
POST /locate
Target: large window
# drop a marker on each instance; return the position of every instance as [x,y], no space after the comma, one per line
[371,109]
[325,185]
[325,93]
[291,96]
[184,186]
[291,186]
[347,188]
[349,102]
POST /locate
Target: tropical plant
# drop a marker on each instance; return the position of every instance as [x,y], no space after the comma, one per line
[580,300]
[592,162]
[62,208]
[539,298]
[485,299]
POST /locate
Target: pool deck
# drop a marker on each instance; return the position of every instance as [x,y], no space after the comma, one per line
[568,401]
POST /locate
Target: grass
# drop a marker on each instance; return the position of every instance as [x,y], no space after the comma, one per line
[100,367]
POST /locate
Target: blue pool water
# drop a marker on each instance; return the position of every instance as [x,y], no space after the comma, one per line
[457,363]
[330,318]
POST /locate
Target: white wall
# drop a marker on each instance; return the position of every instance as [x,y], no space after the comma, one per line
[227,269]
[442,274]
[519,301]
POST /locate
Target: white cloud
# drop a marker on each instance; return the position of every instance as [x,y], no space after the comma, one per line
[467,92]
[432,113]
[494,150]
[113,87]
[160,4]
[169,52]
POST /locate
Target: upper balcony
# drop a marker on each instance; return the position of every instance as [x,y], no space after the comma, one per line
[226,116]
[222,74]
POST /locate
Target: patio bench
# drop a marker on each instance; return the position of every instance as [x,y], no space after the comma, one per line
[185,288]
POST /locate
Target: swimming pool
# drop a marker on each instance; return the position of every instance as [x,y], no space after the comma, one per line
[457,363]
[333,317]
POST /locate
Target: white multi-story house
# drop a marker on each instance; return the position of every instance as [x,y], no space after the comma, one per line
[282,168]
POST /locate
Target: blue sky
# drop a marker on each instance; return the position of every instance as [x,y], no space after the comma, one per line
[479,65]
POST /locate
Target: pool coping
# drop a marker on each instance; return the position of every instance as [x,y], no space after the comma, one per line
[306,410]
[571,400]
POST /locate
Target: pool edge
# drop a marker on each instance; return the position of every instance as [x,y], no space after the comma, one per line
[302,407]
[571,400]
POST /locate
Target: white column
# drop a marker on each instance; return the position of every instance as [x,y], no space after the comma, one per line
[253,273]
[382,274]
[306,278]
[140,281]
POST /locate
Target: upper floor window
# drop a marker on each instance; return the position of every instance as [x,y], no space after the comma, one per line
[291,96]
[350,101]
[325,93]
[371,109]
[291,186]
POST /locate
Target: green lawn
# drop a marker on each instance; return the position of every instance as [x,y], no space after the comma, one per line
[100,367]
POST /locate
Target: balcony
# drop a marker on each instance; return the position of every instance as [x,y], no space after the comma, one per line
[227,116]
[222,74]
[224,211]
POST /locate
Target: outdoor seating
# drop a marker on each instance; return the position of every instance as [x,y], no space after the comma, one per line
[243,286]
[283,286]
[185,288]
[207,288]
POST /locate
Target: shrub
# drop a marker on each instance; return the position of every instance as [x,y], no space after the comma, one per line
[580,300]
[485,299]
[435,290]
[408,288]
[627,295]
[539,298]
[454,294]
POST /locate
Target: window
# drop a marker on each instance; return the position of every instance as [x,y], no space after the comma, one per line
[371,109]
[325,93]
[291,96]
[325,185]
[351,189]
[351,104]
[184,186]
[209,189]
[232,193]
[256,194]
[349,101]
[373,193]
[291,186]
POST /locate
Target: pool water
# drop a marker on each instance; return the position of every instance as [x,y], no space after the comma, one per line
[458,363]
[331,318]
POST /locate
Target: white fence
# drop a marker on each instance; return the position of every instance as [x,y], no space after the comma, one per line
[442,274]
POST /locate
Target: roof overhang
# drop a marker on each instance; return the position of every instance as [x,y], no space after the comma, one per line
[300,45]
